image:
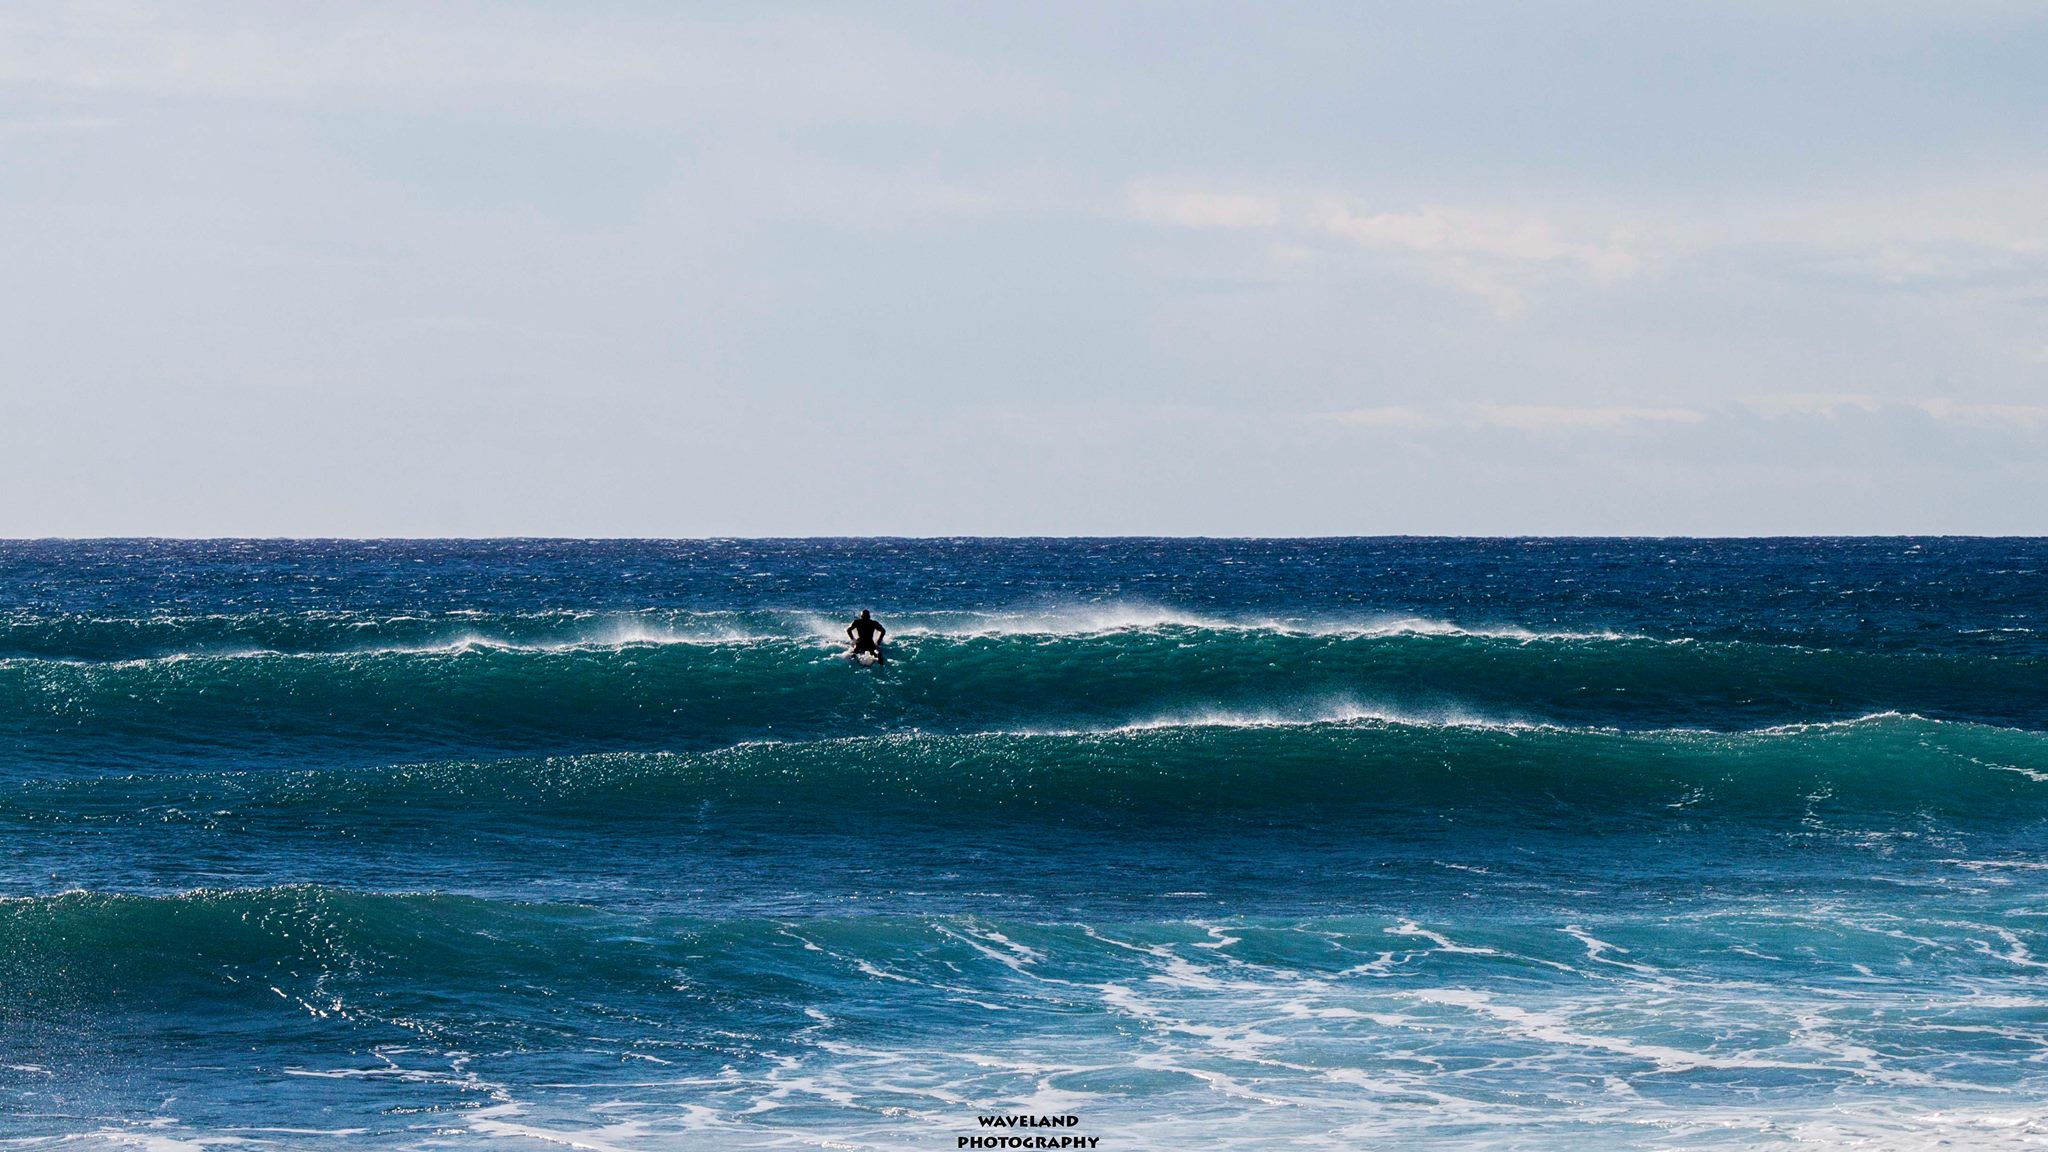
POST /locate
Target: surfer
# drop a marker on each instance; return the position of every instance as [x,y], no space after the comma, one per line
[866,632]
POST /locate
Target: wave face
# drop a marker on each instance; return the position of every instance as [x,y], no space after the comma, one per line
[1527,843]
[509,684]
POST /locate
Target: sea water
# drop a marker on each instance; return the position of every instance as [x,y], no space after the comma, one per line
[1203,844]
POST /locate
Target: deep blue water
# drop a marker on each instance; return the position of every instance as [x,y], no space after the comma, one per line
[1344,843]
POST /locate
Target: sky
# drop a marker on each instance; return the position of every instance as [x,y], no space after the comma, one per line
[606,269]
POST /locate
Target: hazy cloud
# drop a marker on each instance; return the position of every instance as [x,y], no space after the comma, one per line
[1810,404]
[1561,417]
[1546,418]
[2027,415]
[643,66]
[1205,209]
[1490,253]
[1520,237]
[1388,416]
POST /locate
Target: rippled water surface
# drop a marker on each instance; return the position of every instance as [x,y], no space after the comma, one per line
[1347,843]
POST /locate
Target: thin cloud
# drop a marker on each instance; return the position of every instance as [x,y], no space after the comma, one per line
[1955,232]
[659,68]
[1547,418]
[1518,237]
[1939,408]
[2029,415]
[1204,210]
[1810,403]
[1393,416]
[1519,417]
[1498,255]
[1566,417]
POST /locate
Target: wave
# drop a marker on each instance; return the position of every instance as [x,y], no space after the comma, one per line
[221,1015]
[1307,714]
[1341,765]
[619,685]
[307,945]
[1349,713]
[1097,620]
[123,640]
[222,636]
[336,953]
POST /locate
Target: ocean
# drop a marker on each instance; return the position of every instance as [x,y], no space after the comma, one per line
[1160,844]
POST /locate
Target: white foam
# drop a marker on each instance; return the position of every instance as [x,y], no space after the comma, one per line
[1865,720]
[1597,950]
[582,630]
[1334,712]
[1130,616]
[1228,1051]
[620,1137]
[1443,943]
[1554,1029]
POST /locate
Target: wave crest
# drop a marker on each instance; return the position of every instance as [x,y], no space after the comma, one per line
[220,636]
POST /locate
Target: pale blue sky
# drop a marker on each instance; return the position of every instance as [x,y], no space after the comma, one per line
[658,269]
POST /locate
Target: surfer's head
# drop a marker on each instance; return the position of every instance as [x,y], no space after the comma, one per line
[863,613]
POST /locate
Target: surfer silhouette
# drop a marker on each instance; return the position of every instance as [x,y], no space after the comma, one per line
[866,633]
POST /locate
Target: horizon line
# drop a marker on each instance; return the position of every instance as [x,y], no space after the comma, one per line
[912,538]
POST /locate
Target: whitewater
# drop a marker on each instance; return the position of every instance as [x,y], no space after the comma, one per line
[1504,844]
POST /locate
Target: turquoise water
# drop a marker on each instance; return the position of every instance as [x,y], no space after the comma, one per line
[1347,843]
